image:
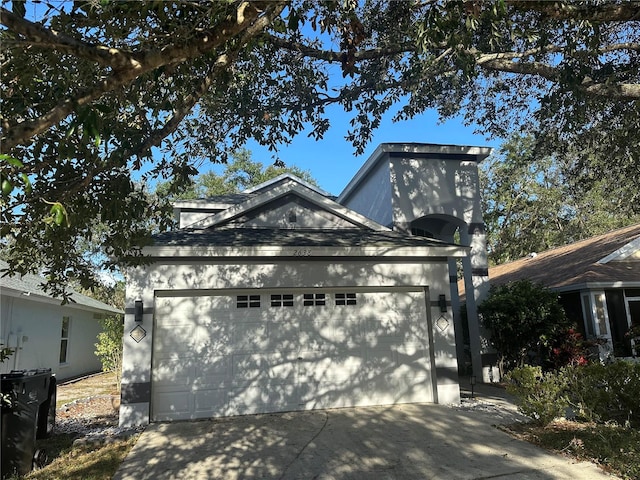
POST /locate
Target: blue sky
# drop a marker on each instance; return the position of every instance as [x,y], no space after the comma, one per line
[332,161]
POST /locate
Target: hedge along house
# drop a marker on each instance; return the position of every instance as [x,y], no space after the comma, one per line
[282,298]
[598,282]
[46,334]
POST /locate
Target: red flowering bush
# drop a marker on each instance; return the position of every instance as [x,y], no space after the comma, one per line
[569,348]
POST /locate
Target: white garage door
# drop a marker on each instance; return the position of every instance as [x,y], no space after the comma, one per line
[257,352]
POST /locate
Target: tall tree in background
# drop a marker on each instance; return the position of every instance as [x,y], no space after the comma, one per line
[534,202]
[94,93]
[240,173]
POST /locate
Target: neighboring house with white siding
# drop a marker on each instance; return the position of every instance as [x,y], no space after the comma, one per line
[45,333]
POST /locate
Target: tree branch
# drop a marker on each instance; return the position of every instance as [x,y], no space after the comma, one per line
[45,38]
[220,65]
[604,12]
[620,91]
[503,63]
[207,41]
[620,46]
[335,56]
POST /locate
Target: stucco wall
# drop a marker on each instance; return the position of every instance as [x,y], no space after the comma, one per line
[189,218]
[372,198]
[278,215]
[428,186]
[194,277]
[36,328]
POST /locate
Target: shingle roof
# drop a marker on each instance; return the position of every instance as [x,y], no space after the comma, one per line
[231,198]
[575,264]
[31,285]
[241,237]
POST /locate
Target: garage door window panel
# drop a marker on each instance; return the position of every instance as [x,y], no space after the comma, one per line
[248,301]
[314,300]
[346,299]
[285,300]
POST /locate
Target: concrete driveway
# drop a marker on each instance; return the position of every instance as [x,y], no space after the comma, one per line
[416,441]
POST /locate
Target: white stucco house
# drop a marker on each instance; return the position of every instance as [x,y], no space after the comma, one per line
[285,298]
[46,334]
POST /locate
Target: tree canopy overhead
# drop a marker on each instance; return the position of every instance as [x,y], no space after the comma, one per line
[94,92]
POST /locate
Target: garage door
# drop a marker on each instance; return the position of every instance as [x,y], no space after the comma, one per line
[257,352]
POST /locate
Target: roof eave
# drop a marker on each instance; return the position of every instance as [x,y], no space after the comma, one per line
[595,286]
[38,297]
[309,252]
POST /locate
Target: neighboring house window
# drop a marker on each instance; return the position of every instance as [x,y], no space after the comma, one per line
[282,300]
[345,298]
[595,314]
[588,317]
[314,299]
[251,301]
[64,339]
[601,314]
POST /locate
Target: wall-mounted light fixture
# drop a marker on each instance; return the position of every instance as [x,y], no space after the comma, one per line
[137,312]
[442,303]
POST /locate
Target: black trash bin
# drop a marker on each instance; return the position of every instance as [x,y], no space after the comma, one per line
[30,415]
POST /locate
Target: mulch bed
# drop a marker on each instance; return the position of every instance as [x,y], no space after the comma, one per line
[93,419]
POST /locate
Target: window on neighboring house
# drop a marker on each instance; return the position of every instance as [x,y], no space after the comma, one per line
[601,313]
[314,299]
[588,316]
[346,299]
[285,300]
[596,317]
[251,301]
[64,339]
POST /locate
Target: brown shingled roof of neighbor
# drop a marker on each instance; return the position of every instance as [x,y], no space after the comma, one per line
[574,264]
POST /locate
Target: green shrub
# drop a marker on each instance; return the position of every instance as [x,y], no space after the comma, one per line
[524,320]
[541,396]
[606,393]
[598,393]
[109,346]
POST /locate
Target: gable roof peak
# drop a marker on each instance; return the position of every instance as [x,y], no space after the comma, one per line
[277,190]
[283,178]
